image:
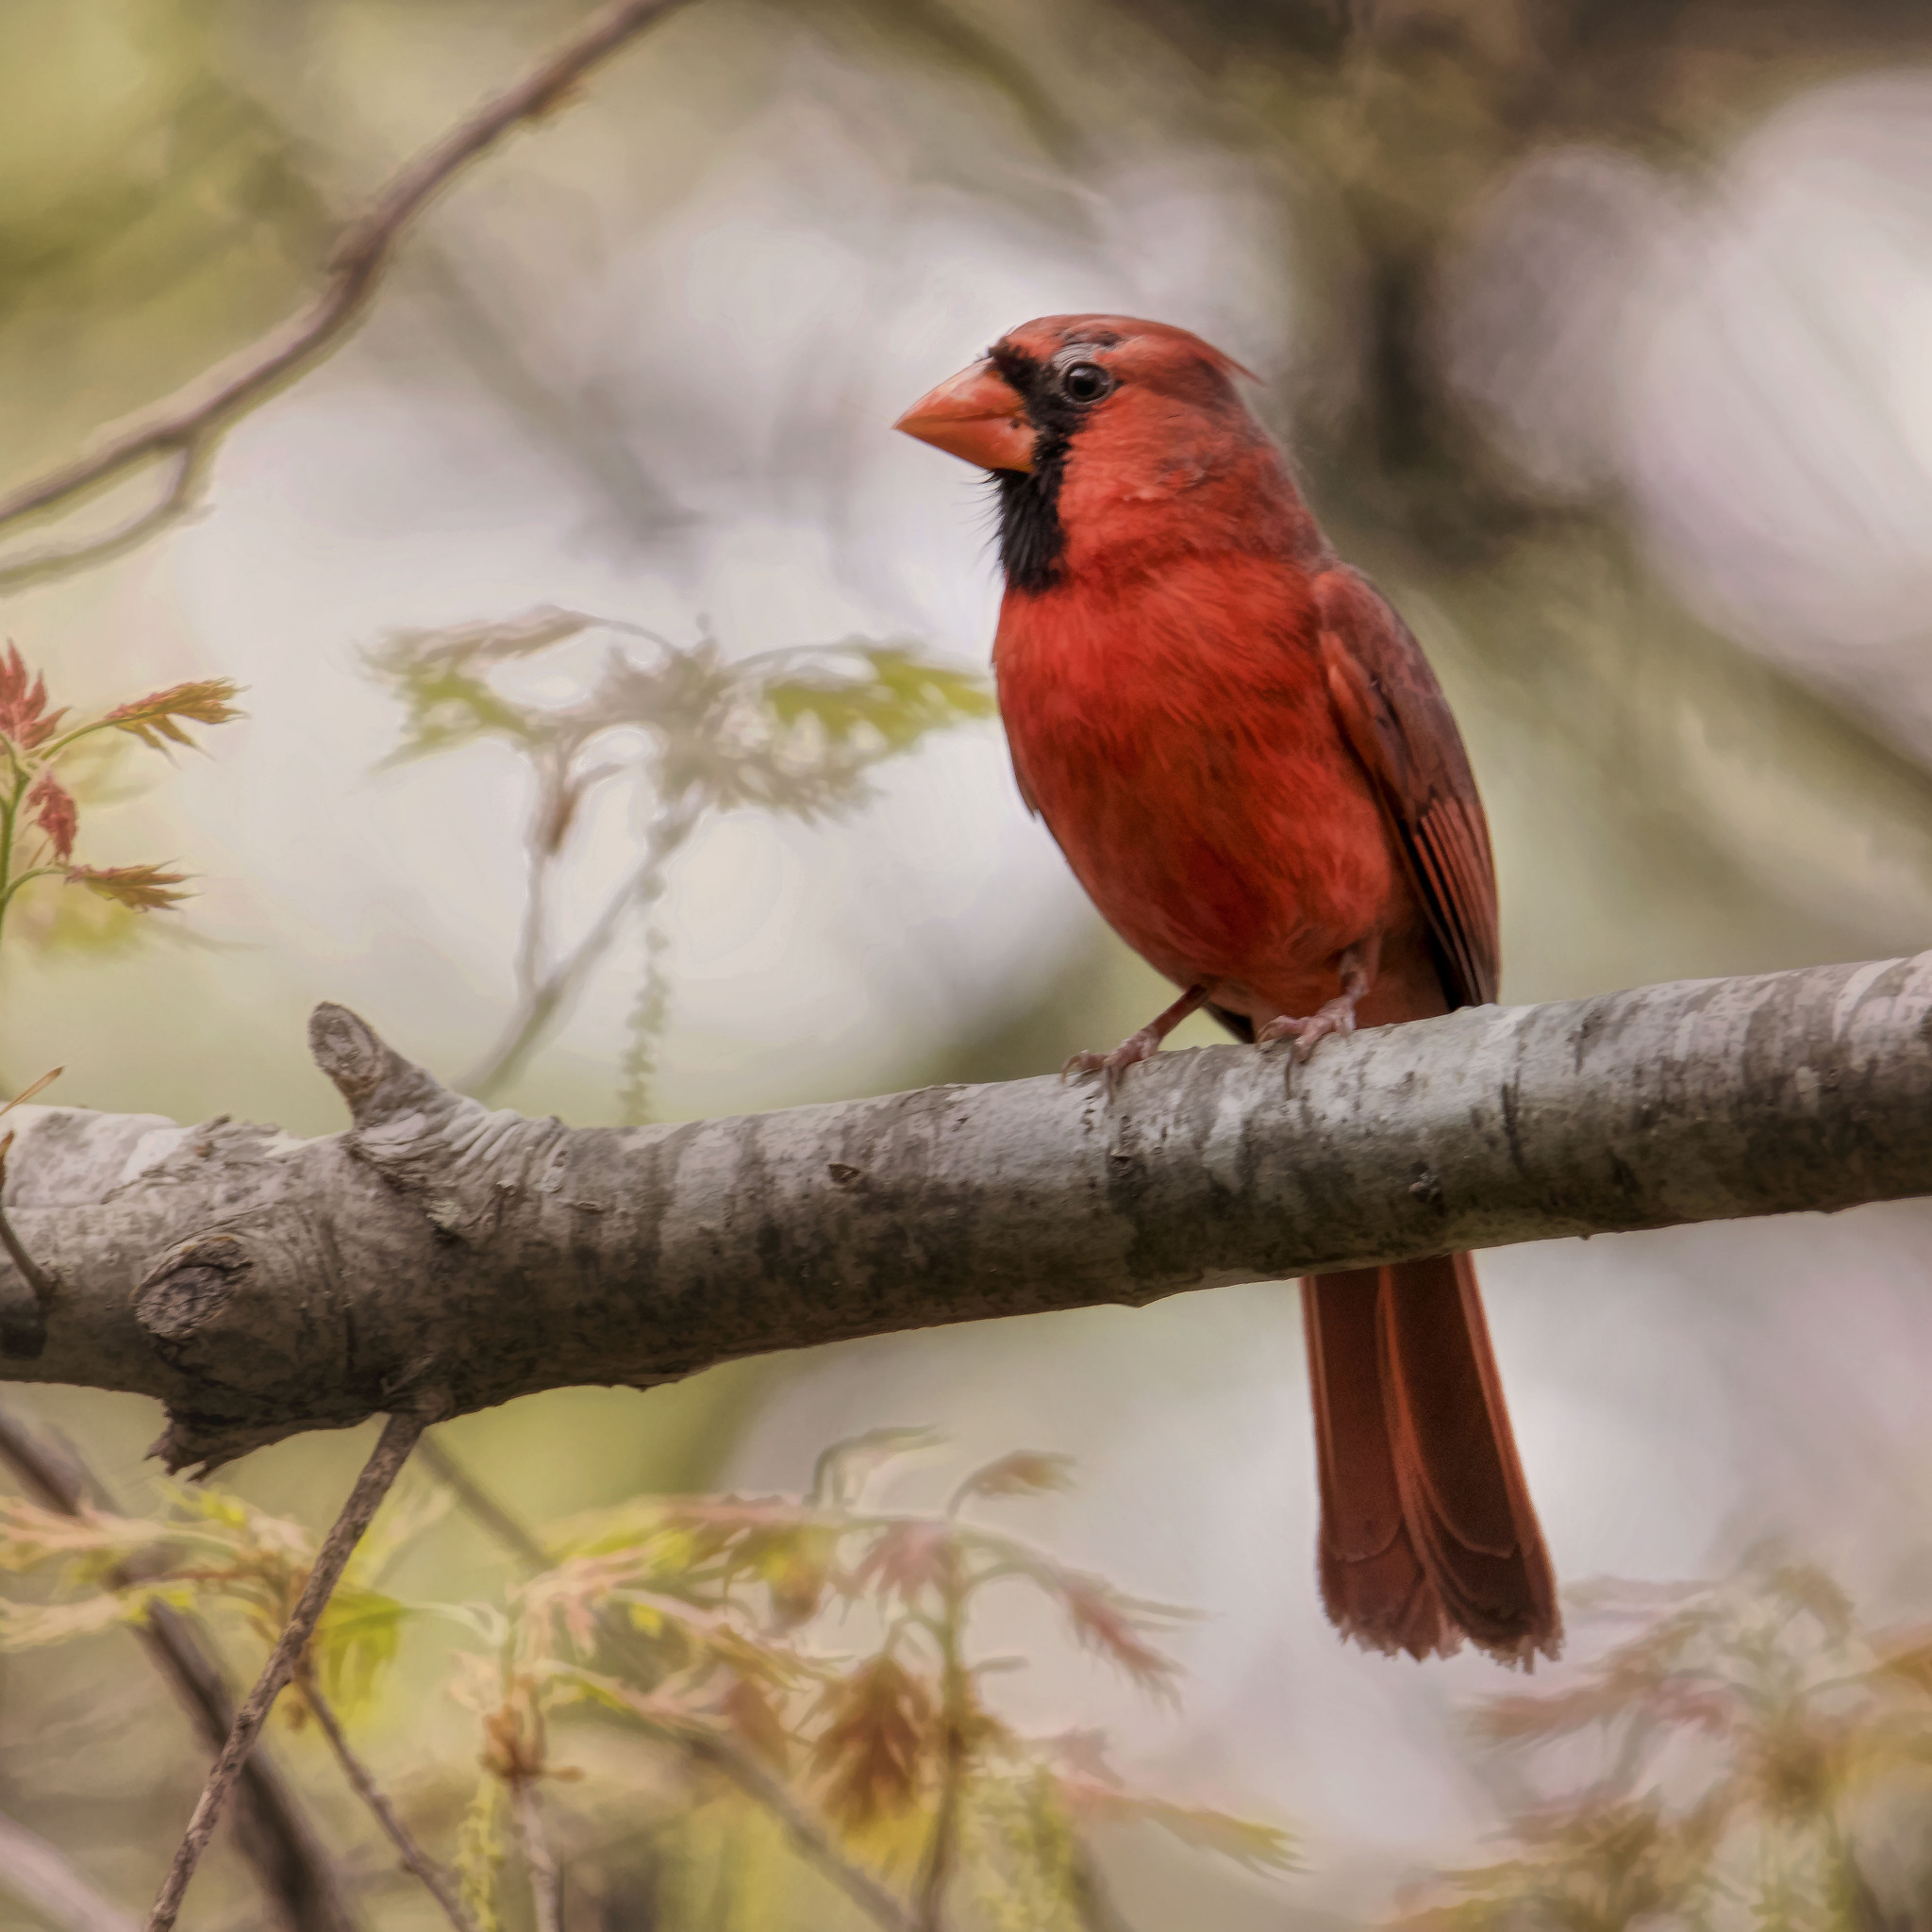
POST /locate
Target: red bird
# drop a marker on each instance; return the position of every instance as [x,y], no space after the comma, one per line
[1250,769]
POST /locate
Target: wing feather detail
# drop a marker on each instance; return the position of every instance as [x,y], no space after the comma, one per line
[1398,723]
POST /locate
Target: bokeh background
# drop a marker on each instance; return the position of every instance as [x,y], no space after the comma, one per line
[1603,337]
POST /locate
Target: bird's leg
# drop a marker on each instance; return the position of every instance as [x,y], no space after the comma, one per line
[1142,1045]
[1357,966]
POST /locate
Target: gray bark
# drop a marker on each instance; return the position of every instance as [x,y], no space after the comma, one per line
[443,1256]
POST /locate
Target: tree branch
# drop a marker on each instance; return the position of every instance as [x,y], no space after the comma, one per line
[182,431]
[379,1472]
[281,1286]
[185,469]
[955,1700]
[363,1783]
[300,1882]
[488,1513]
[808,1835]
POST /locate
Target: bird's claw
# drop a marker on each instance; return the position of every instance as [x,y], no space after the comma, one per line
[1113,1067]
[1336,1016]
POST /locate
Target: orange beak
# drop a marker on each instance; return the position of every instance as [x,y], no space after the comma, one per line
[977,415]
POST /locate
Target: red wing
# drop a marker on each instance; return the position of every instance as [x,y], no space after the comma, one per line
[1395,716]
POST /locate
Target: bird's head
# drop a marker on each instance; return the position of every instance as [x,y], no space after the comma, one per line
[1110,437]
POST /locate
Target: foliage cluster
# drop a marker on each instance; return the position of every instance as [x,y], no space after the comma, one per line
[686,731]
[46,766]
[1709,1767]
[815,1645]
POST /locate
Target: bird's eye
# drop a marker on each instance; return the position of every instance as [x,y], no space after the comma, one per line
[1085,382]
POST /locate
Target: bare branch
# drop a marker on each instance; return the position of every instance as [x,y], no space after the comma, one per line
[182,431]
[942,1847]
[185,469]
[521,1542]
[438,1243]
[373,1796]
[542,1001]
[34,1872]
[941,1852]
[301,1885]
[813,1841]
[379,1472]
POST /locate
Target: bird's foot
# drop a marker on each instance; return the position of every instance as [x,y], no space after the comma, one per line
[1336,1016]
[1357,966]
[1113,1067]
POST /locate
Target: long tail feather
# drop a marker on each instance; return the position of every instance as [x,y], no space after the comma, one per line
[1428,1536]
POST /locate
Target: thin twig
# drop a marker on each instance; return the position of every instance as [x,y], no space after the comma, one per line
[473,1496]
[308,1892]
[815,1843]
[941,1851]
[1093,1903]
[53,1477]
[184,429]
[35,1275]
[373,1796]
[547,1880]
[542,1001]
[379,1472]
[186,470]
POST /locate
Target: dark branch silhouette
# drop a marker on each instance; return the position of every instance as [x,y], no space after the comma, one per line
[304,1889]
[379,1475]
[183,431]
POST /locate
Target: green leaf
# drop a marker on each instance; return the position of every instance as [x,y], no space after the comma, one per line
[898,700]
[446,708]
[440,676]
[239,1524]
[354,1642]
[1260,1847]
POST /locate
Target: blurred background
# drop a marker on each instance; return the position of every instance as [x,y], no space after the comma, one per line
[1603,337]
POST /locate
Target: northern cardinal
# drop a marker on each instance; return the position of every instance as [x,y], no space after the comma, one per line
[1250,767]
